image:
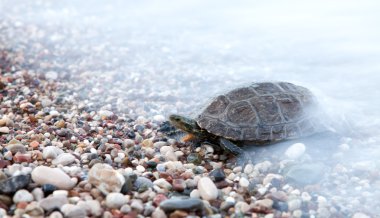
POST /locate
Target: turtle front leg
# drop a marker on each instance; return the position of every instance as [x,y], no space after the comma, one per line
[227,145]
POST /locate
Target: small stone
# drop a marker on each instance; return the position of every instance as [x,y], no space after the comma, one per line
[48,189]
[140,169]
[105,178]
[171,156]
[263,206]
[125,209]
[158,213]
[14,148]
[14,183]
[34,210]
[186,204]
[4,130]
[237,169]
[179,214]
[217,175]
[34,144]
[158,199]
[64,159]
[95,208]
[53,202]
[294,204]
[165,149]
[194,158]
[248,169]
[137,205]
[295,151]
[21,158]
[242,207]
[51,152]
[243,182]
[161,167]
[142,184]
[115,200]
[22,195]
[73,211]
[263,167]
[179,185]
[56,214]
[195,194]
[38,194]
[55,176]
[162,183]
[207,189]
[60,124]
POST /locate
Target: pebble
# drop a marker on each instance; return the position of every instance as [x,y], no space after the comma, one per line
[162,183]
[242,207]
[53,202]
[248,169]
[34,210]
[142,183]
[186,204]
[217,175]
[73,211]
[95,208]
[14,148]
[194,158]
[263,205]
[115,200]
[243,182]
[46,175]
[64,159]
[14,183]
[22,195]
[51,152]
[137,205]
[158,213]
[207,189]
[4,130]
[48,189]
[179,185]
[295,151]
[140,169]
[294,204]
[195,194]
[105,178]
[56,214]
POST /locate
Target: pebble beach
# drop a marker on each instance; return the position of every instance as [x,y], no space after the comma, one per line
[84,131]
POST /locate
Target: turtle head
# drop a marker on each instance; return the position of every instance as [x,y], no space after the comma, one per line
[185,124]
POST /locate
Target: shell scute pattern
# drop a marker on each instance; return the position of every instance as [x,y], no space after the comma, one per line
[260,112]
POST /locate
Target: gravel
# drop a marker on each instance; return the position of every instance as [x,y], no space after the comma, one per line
[83,134]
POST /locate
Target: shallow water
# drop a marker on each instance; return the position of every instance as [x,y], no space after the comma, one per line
[171,57]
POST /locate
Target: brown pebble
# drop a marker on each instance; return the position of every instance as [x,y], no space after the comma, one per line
[19,158]
[34,144]
[178,214]
[179,185]
[4,163]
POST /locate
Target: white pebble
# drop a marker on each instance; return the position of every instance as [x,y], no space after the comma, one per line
[115,200]
[22,195]
[295,151]
[243,182]
[207,189]
[140,169]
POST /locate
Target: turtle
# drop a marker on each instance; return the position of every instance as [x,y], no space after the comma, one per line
[256,114]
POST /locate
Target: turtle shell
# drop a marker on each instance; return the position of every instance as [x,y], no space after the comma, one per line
[261,112]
